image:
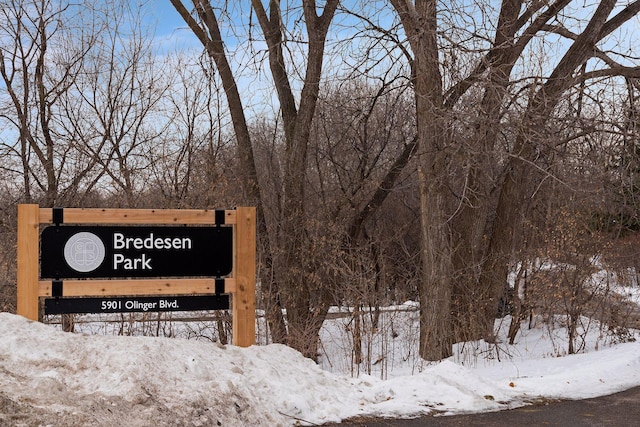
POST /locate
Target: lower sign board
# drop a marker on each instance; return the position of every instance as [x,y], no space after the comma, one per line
[135,304]
[70,252]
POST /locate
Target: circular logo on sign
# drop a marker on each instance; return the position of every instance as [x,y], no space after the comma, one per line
[84,252]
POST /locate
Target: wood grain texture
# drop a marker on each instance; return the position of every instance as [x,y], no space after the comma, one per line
[243,301]
[137,216]
[135,287]
[27,268]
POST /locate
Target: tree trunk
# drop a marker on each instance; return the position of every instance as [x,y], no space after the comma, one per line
[474,219]
[420,24]
[516,190]
[436,337]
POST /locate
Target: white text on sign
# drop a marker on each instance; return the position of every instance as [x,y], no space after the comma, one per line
[143,262]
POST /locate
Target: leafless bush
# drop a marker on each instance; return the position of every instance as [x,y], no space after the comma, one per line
[568,277]
[211,326]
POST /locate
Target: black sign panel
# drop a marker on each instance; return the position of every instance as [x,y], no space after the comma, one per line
[73,252]
[135,304]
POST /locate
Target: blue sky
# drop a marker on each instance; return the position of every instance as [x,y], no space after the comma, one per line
[168,19]
[171,30]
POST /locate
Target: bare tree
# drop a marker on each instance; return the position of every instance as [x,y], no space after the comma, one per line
[471,225]
[187,162]
[114,107]
[77,98]
[530,145]
[289,260]
[79,91]
[361,142]
[39,60]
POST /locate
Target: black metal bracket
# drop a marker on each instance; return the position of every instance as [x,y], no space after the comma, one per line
[220,217]
[58,216]
[56,288]
[219,285]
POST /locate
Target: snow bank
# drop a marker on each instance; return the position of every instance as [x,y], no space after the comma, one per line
[48,377]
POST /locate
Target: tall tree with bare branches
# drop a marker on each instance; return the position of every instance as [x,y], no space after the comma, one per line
[293,278]
[470,225]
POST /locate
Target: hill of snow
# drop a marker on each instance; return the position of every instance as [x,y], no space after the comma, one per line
[52,378]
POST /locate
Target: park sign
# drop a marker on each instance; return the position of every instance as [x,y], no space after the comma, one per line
[116,251]
[93,260]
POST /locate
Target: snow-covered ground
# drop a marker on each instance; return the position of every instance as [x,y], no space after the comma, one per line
[52,378]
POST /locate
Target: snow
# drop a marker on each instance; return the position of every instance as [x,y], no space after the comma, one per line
[52,378]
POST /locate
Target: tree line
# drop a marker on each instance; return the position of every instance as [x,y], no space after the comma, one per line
[394,149]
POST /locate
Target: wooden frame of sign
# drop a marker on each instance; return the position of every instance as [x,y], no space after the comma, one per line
[241,284]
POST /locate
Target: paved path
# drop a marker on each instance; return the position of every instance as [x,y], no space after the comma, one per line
[620,409]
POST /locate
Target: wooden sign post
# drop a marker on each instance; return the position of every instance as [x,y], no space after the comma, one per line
[127,258]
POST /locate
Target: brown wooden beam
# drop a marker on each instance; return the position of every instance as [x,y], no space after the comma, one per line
[28,253]
[135,287]
[137,216]
[243,301]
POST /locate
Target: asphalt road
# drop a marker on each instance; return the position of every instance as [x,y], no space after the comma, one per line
[620,409]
